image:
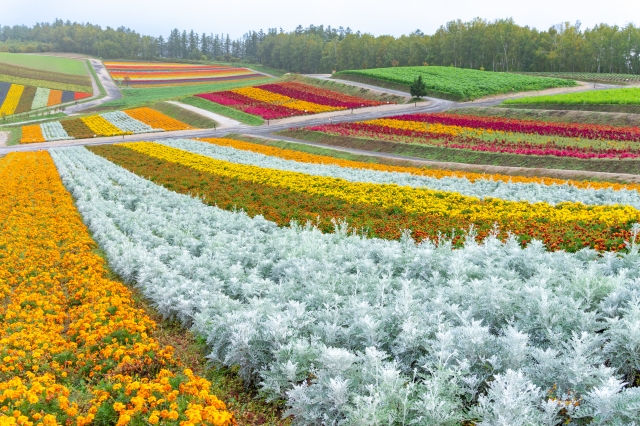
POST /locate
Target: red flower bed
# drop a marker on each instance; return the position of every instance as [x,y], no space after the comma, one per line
[250,106]
[318,96]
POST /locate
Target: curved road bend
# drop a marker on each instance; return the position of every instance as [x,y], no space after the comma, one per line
[109,86]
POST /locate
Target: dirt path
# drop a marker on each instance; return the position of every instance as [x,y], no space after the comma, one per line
[113,92]
[221,119]
[4,138]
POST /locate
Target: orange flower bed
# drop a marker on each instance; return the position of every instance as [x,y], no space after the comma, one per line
[74,349]
[156,119]
[32,134]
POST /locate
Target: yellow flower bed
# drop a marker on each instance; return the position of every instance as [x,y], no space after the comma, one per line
[32,134]
[277,99]
[10,103]
[289,154]
[156,119]
[101,127]
[413,200]
[417,126]
[74,348]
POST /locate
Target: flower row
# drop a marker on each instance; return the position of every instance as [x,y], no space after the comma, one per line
[418,200]
[352,330]
[273,101]
[75,349]
[15,98]
[485,187]
[133,121]
[141,74]
[459,133]
[282,205]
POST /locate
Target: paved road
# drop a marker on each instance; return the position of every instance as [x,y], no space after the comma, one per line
[109,86]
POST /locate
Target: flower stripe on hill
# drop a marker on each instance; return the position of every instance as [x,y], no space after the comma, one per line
[531,192]
[74,348]
[282,205]
[289,154]
[127,122]
[410,200]
[281,100]
[497,135]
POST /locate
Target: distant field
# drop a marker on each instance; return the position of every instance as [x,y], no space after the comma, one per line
[590,76]
[45,63]
[614,100]
[162,74]
[455,83]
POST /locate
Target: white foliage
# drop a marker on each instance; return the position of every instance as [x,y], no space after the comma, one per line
[353,330]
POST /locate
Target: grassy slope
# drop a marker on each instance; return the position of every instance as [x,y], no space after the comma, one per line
[45,63]
[240,116]
[188,117]
[436,153]
[455,83]
[627,96]
[142,97]
[564,116]
[16,135]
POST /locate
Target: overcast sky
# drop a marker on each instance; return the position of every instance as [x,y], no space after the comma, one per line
[235,17]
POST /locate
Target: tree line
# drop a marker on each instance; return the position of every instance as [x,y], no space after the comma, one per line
[499,45]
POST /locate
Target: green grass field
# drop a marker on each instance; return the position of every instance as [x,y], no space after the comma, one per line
[590,76]
[132,98]
[627,96]
[191,118]
[456,84]
[234,114]
[45,63]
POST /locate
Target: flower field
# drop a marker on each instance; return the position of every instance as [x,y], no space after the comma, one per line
[281,100]
[158,74]
[352,329]
[74,348]
[458,83]
[132,121]
[16,98]
[590,76]
[498,134]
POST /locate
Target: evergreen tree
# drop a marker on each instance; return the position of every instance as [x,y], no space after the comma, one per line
[418,88]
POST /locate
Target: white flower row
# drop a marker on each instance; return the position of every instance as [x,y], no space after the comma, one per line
[53,131]
[41,98]
[368,331]
[127,124]
[482,188]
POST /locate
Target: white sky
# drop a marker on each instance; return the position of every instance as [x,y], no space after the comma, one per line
[235,17]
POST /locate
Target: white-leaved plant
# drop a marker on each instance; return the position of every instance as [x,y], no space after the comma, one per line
[351,330]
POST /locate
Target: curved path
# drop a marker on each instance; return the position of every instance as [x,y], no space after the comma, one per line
[107,82]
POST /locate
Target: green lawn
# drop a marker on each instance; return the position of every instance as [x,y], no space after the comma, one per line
[457,84]
[45,63]
[141,97]
[627,96]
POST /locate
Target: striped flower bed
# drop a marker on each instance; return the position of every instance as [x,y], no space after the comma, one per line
[16,98]
[133,121]
[497,135]
[281,100]
[156,74]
